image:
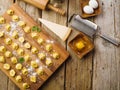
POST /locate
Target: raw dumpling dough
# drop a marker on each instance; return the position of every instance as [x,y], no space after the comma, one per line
[21,39]
[48,62]
[2,59]
[14,60]
[20,52]
[34,64]
[15,34]
[2,20]
[2,49]
[27,29]
[12,72]
[15,18]
[22,24]
[18,66]
[1,34]
[8,41]
[33,79]
[41,56]
[8,27]
[10,12]
[26,85]
[8,54]
[6,66]
[24,71]
[34,50]
[18,78]
[15,46]
[48,47]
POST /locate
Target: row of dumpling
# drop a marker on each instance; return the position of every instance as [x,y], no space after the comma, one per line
[27,45]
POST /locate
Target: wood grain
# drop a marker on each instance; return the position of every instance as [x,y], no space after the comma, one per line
[98,70]
[106,58]
[78,72]
[6,83]
[56,82]
[30,22]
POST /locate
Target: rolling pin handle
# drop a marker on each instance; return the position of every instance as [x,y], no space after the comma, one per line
[60,11]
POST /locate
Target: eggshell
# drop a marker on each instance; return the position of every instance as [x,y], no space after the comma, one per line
[93,4]
[88,9]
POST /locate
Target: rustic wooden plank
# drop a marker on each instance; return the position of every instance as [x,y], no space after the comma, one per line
[106,59]
[5,83]
[78,72]
[56,82]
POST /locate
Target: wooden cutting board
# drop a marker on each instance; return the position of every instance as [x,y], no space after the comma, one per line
[48,70]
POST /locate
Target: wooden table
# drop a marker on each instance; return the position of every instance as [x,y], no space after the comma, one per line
[99,70]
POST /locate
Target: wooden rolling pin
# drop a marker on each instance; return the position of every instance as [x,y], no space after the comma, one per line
[44,4]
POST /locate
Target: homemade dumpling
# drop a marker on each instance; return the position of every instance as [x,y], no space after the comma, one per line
[41,56]
[21,39]
[10,12]
[19,66]
[15,46]
[8,41]
[26,85]
[48,47]
[34,50]
[27,29]
[48,62]
[14,60]
[20,52]
[34,64]
[2,49]
[15,18]
[2,59]
[8,54]
[18,78]
[12,72]
[22,24]
[6,66]
[1,34]
[2,20]
[15,34]
[33,79]
[8,27]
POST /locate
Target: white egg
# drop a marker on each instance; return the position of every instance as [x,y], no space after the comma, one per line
[88,9]
[93,4]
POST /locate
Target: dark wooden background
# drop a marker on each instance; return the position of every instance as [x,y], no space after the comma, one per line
[99,70]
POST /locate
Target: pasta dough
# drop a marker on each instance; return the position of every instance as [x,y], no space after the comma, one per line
[18,78]
[27,29]
[2,59]
[14,60]
[19,66]
[34,50]
[10,12]
[8,41]
[34,64]
[15,46]
[15,18]
[8,54]
[26,85]
[12,72]
[6,66]
[2,20]
[33,79]
[2,49]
